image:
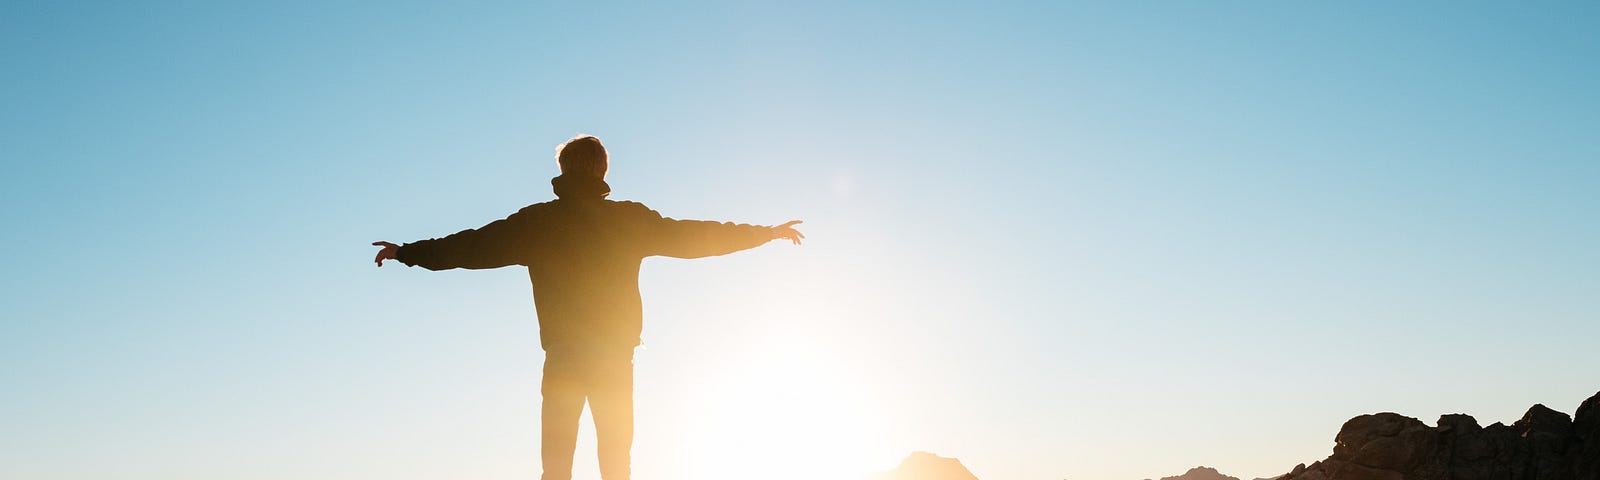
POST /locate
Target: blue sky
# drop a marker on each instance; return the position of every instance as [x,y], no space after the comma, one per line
[1088,241]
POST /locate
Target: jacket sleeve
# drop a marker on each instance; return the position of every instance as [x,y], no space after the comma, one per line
[699,238]
[508,241]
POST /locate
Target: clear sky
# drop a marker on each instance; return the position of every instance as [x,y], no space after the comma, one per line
[1059,240]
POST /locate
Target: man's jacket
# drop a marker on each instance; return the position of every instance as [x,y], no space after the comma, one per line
[583,253]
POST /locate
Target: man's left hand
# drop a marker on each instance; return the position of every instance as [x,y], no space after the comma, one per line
[787,231]
[387,253]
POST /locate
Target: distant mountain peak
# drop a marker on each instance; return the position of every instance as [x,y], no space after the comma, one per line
[1201,473]
[927,466]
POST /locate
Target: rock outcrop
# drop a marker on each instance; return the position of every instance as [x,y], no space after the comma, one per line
[1201,473]
[927,466]
[1543,445]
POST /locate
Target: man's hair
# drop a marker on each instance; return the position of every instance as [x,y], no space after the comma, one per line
[582,155]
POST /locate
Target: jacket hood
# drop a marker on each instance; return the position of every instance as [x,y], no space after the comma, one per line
[577,187]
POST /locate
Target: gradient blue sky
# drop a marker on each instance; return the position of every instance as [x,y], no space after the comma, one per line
[1087,241]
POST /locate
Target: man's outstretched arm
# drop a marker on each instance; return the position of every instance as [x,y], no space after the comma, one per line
[699,238]
[500,243]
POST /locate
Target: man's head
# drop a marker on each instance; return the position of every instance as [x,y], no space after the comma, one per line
[583,155]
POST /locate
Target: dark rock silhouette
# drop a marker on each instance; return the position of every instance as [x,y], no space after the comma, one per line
[927,466]
[1201,473]
[1543,445]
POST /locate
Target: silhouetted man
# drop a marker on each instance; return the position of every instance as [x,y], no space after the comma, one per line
[583,253]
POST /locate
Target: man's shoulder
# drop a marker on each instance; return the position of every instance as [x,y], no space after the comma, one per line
[607,207]
[536,208]
[629,206]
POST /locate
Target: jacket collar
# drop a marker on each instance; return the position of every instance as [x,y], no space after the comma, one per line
[577,187]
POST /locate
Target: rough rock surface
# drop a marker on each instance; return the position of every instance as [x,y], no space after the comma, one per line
[1543,445]
[927,466]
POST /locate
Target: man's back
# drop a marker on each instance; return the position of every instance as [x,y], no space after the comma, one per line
[583,253]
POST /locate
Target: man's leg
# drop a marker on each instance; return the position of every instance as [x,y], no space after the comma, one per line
[563,393]
[611,403]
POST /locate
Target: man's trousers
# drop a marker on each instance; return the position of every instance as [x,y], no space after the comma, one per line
[605,379]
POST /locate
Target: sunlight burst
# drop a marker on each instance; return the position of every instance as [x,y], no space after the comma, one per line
[790,411]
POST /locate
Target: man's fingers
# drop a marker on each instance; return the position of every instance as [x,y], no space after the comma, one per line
[388,248]
[790,233]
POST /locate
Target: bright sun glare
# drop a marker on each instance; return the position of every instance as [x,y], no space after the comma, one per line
[787,410]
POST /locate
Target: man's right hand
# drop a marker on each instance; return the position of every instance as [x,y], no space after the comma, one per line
[787,231]
[387,253]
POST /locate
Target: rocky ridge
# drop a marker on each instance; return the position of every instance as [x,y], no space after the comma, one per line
[1544,445]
